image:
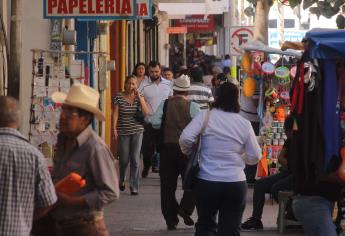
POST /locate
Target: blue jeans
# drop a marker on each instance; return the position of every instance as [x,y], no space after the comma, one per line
[129,147]
[315,214]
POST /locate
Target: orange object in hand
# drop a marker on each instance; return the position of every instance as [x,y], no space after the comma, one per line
[71,184]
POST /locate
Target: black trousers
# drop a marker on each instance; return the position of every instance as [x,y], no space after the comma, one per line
[172,164]
[227,199]
[271,184]
[150,139]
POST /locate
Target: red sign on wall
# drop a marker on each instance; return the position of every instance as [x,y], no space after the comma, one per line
[195,23]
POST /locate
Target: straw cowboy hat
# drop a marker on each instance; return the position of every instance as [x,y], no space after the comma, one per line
[182,83]
[80,96]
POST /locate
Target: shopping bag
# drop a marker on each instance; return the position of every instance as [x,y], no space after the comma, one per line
[263,167]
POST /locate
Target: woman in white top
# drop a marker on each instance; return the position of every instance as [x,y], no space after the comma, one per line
[227,144]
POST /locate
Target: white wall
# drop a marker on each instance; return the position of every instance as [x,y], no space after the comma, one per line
[35,34]
[163,40]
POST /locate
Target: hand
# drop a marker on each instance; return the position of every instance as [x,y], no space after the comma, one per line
[67,200]
[115,134]
[64,199]
[136,92]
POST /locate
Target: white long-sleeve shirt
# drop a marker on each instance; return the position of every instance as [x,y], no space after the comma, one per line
[227,144]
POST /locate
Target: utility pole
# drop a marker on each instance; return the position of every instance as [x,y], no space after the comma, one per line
[15,48]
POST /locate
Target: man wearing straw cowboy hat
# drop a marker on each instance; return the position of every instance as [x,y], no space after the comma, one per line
[81,150]
[172,116]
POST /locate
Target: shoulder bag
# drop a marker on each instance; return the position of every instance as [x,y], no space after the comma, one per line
[192,168]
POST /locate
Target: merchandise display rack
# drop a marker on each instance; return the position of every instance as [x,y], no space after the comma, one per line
[54,71]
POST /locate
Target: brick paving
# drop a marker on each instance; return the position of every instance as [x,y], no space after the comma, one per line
[141,215]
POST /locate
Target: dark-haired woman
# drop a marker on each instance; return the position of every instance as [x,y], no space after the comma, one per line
[140,72]
[227,144]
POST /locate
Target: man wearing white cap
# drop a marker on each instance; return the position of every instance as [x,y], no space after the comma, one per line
[172,116]
[81,150]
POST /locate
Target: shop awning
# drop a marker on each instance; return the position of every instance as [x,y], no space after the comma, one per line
[259,46]
[326,43]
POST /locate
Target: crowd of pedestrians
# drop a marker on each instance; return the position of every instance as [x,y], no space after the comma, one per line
[160,117]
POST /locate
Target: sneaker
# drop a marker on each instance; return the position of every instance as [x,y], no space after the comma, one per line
[252,223]
[186,218]
[134,193]
[122,186]
[145,172]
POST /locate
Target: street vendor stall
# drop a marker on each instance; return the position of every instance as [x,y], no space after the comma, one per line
[318,108]
[272,81]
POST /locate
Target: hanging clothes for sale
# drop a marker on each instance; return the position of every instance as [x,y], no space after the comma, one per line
[318,134]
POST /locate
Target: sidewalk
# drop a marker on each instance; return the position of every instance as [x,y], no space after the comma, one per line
[141,215]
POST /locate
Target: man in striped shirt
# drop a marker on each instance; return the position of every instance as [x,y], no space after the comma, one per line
[198,92]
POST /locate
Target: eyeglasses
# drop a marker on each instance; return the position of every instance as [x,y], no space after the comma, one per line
[69,112]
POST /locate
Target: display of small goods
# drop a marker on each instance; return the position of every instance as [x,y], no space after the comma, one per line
[275,105]
[48,77]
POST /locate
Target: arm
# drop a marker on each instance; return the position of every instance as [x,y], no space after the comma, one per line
[40,212]
[282,157]
[45,196]
[252,148]
[194,109]
[104,177]
[143,104]
[156,119]
[115,120]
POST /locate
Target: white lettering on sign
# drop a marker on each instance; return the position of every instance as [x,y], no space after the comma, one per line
[89,8]
[239,36]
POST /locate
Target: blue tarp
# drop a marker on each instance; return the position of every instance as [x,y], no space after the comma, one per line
[326,43]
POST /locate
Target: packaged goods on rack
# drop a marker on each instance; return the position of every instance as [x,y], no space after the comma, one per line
[274,83]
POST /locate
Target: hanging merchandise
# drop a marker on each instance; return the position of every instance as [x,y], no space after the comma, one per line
[246,62]
[50,74]
[249,86]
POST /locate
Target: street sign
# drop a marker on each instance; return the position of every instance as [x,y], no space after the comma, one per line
[97,9]
[177,30]
[238,36]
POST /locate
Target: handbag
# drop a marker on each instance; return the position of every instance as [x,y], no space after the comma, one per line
[193,165]
[139,115]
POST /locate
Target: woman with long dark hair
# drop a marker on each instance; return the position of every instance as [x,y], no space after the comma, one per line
[227,144]
[140,72]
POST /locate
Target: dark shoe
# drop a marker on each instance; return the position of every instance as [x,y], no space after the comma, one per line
[134,193]
[155,170]
[145,172]
[172,227]
[252,223]
[186,218]
[122,186]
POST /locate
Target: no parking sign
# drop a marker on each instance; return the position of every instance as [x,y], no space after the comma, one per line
[239,35]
